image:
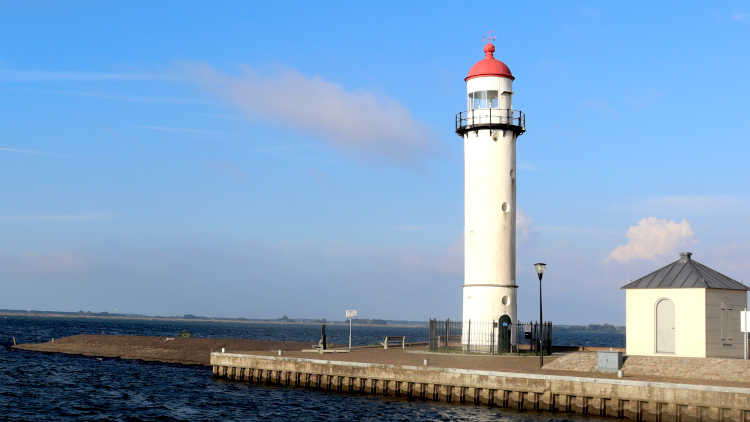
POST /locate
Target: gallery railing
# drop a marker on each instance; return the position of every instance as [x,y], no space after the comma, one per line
[491,118]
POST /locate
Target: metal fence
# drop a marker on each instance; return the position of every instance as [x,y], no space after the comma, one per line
[493,337]
[531,333]
[444,335]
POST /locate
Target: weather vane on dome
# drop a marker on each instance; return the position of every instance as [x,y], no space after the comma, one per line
[489,37]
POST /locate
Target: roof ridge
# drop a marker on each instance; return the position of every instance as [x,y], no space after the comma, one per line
[698,270]
[679,275]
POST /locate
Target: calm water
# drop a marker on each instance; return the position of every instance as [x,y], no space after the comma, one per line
[52,387]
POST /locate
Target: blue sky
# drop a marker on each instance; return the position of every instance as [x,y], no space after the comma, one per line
[256,160]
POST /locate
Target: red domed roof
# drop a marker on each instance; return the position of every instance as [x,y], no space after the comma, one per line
[489,66]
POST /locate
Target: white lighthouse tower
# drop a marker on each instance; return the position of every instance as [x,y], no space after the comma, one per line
[489,128]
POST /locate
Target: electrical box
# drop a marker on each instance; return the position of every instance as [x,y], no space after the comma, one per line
[609,361]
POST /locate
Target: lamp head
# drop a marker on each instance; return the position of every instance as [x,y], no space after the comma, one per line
[540,266]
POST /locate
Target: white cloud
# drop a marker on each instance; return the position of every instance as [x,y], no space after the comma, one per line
[653,237]
[523,225]
[354,120]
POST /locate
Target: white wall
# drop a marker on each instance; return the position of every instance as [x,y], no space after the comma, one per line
[690,321]
[490,217]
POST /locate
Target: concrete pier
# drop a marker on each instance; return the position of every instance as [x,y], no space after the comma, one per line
[636,400]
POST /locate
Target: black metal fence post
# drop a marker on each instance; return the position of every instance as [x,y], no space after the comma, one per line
[492,340]
[447,332]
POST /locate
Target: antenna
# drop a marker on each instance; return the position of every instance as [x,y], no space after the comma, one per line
[490,37]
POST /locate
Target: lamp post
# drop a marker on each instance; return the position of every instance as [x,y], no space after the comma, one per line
[539,266]
[350,314]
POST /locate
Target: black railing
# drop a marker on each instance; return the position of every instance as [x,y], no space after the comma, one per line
[493,337]
[444,335]
[491,118]
[529,334]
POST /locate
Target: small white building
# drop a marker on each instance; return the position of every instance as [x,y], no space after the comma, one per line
[684,309]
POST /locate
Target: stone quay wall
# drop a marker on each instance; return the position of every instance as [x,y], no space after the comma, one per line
[714,369]
[630,399]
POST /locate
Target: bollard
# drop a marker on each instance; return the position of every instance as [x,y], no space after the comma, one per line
[222,350]
[280,352]
[323,337]
[425,362]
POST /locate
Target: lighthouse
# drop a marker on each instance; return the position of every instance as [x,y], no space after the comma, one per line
[489,128]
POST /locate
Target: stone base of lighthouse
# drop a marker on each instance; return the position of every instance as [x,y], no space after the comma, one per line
[489,318]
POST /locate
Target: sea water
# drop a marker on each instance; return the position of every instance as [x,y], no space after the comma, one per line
[52,387]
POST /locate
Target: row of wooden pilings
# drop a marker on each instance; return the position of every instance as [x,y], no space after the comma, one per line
[637,410]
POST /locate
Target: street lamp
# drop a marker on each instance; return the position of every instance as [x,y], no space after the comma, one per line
[350,314]
[540,271]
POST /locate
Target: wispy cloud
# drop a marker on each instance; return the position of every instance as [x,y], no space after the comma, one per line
[524,225]
[57,217]
[132,98]
[741,17]
[352,119]
[7,75]
[169,129]
[653,237]
[21,150]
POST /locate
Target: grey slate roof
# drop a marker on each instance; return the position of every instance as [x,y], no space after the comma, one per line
[683,274]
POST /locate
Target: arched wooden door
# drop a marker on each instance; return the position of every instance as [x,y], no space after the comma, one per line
[665,326]
[504,334]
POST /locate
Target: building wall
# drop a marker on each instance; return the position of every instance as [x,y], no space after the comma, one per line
[690,321]
[723,336]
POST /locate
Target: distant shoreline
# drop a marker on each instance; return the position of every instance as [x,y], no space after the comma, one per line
[199,319]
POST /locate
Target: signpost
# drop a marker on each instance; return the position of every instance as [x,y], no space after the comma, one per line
[350,313]
[744,326]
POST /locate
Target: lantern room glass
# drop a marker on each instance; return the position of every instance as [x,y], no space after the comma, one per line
[483,99]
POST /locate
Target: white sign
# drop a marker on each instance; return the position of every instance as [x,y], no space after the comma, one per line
[744,321]
[351,313]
